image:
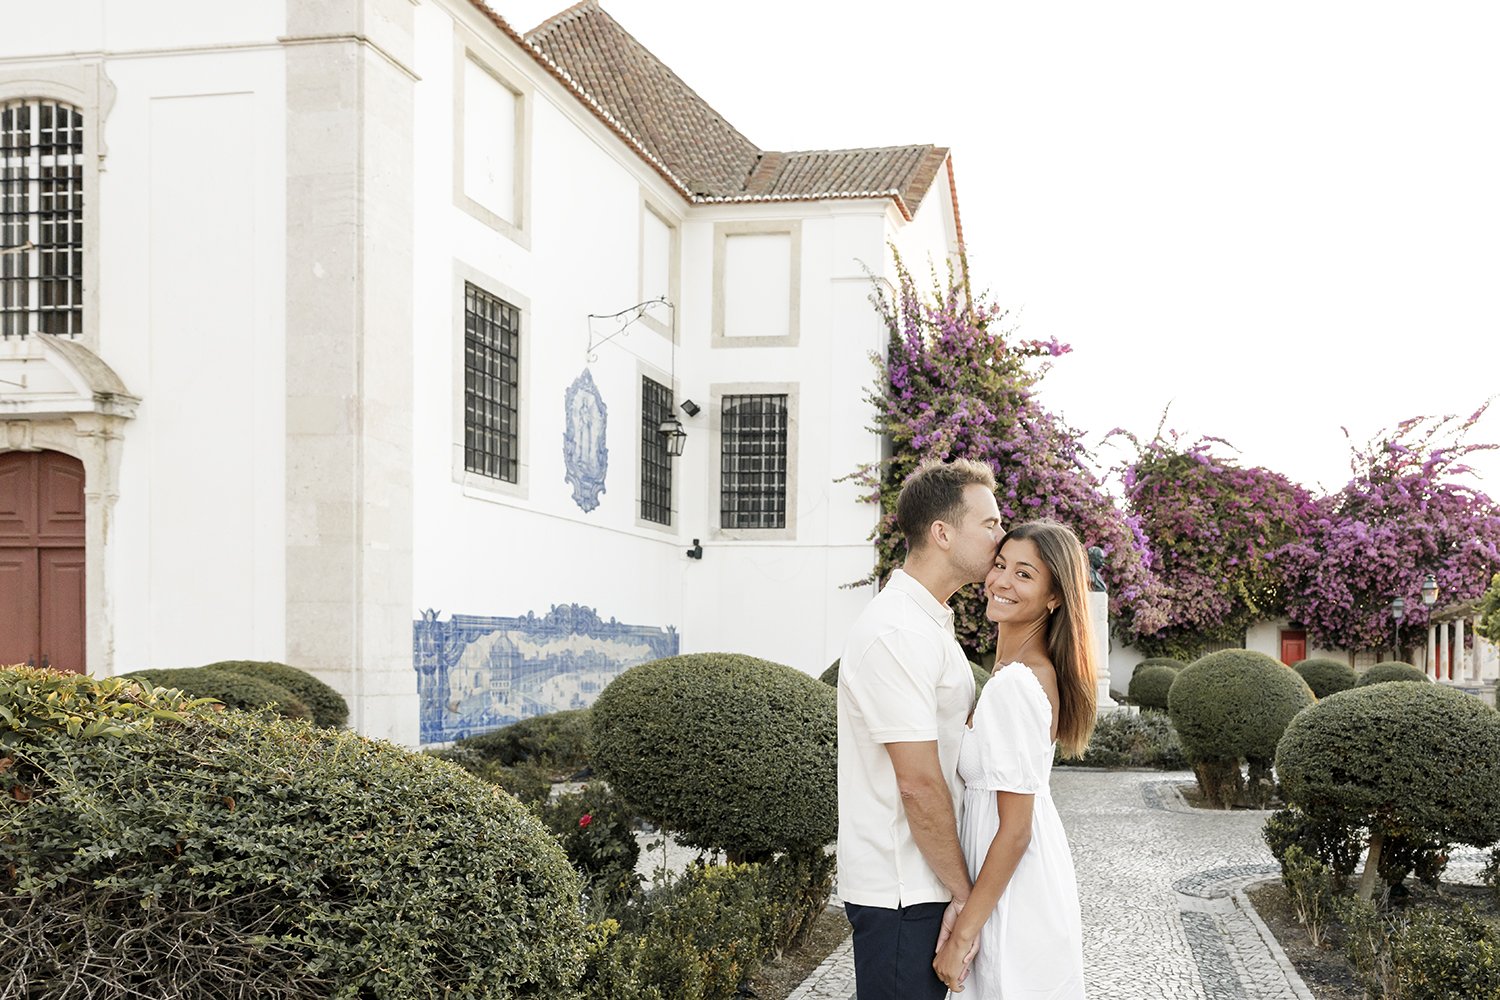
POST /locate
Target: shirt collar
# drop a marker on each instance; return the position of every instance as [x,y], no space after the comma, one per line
[904,582]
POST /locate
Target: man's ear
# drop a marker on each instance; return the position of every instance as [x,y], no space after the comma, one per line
[940,534]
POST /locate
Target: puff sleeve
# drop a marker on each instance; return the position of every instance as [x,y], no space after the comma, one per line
[1013,727]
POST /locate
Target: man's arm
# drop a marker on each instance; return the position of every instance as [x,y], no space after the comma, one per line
[929,813]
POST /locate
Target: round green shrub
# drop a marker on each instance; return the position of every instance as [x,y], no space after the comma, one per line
[1391,670]
[558,741]
[235,690]
[328,707]
[731,752]
[1234,705]
[831,675]
[1326,677]
[1379,756]
[248,856]
[1149,686]
[1161,661]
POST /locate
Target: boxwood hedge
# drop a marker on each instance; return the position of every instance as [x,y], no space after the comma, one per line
[236,690]
[1391,670]
[731,752]
[1326,677]
[328,707]
[241,855]
[1149,686]
[1377,757]
[557,742]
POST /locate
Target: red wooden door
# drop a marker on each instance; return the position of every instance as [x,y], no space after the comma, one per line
[1293,646]
[42,610]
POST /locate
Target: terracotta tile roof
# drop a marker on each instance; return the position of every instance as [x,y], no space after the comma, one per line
[689,143]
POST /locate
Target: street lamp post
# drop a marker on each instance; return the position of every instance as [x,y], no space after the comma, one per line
[1398,612]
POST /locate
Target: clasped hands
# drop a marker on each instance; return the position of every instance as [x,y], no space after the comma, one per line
[955,950]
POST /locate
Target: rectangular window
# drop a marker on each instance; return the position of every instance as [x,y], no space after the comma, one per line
[656,462]
[492,385]
[490,142]
[758,285]
[753,466]
[41,219]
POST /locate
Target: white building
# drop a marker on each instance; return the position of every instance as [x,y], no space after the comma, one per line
[300,357]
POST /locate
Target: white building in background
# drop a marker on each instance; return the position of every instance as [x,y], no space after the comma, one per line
[322,341]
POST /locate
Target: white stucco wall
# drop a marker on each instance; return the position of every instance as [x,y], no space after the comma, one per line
[191,251]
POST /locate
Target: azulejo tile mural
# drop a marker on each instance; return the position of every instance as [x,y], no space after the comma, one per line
[477,673]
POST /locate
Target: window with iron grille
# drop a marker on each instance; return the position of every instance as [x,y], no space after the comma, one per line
[41,218]
[753,439]
[492,385]
[656,460]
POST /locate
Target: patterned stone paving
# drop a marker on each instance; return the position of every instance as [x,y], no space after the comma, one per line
[1164,912]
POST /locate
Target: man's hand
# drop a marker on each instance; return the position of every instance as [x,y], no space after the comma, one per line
[950,916]
[951,963]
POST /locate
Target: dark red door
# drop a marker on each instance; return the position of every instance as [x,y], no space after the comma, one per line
[1293,646]
[41,560]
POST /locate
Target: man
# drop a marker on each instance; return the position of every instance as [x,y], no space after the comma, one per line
[905,691]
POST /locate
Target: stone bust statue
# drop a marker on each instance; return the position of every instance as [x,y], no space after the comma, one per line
[1096,563]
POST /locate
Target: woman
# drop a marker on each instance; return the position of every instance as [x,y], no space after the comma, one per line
[1022,915]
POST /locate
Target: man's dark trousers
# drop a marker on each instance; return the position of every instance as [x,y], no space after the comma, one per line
[893,951]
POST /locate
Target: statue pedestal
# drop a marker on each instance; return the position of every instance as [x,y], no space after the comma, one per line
[1099,614]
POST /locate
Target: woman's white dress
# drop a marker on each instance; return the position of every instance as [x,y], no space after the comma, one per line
[1031,948]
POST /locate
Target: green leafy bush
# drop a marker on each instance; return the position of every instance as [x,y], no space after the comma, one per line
[529,781]
[731,752]
[1425,954]
[36,702]
[1161,661]
[597,830]
[1310,885]
[1363,758]
[246,856]
[234,689]
[1326,677]
[558,741]
[1149,686]
[831,675]
[1337,846]
[328,707]
[1131,739]
[1392,670]
[1233,706]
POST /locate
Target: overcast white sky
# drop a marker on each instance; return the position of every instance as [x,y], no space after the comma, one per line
[1281,218]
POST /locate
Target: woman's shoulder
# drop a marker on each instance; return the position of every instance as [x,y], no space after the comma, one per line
[1018,688]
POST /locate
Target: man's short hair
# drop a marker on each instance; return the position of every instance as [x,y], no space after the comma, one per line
[935,492]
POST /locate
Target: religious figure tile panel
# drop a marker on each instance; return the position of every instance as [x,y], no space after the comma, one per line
[478,673]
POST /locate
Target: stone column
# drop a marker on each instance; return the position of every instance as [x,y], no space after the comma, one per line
[1461,666]
[1099,613]
[1430,665]
[1442,651]
[349,336]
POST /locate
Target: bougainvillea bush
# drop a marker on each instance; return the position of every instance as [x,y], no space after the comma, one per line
[1403,515]
[955,383]
[1213,528]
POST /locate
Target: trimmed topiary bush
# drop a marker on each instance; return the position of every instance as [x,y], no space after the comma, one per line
[328,707]
[557,742]
[1233,706]
[1392,670]
[1326,677]
[235,690]
[1366,758]
[1130,739]
[244,856]
[1161,661]
[1149,687]
[731,752]
[831,675]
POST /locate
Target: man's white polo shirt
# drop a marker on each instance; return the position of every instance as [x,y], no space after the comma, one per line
[902,679]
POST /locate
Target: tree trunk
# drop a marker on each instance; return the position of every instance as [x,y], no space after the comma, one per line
[1372,868]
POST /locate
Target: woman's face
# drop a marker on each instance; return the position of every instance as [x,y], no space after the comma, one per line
[1019,585]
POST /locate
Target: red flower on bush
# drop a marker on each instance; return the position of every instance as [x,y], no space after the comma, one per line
[585,819]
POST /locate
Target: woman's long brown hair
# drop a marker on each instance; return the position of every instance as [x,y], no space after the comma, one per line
[1070,634]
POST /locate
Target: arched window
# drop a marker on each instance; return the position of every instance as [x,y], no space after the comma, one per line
[41,218]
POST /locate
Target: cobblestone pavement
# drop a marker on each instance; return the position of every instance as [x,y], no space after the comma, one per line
[1164,914]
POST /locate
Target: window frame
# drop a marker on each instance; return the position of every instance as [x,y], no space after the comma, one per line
[674,500]
[717,394]
[475,484]
[722,232]
[663,321]
[85,85]
[467,46]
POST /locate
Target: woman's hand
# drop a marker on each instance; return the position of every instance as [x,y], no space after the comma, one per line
[952,961]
